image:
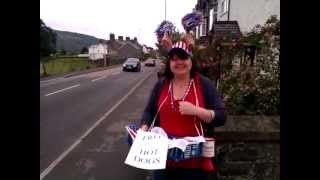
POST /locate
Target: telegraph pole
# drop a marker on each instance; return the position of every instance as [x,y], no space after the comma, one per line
[165,9]
[229,10]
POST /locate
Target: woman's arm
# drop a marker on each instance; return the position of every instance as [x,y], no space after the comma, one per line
[187,108]
[207,115]
[151,107]
[215,103]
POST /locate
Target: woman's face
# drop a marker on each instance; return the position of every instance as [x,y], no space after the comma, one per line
[180,66]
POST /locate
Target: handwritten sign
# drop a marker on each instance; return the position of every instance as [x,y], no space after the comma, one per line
[148,151]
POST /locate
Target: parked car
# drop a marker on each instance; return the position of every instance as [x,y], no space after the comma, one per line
[150,62]
[132,64]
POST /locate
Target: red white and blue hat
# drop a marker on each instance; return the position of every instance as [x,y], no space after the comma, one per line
[180,45]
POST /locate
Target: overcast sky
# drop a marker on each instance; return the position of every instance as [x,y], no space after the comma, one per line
[133,18]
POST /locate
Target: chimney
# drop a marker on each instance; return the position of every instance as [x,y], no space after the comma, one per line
[120,38]
[127,38]
[135,40]
[111,37]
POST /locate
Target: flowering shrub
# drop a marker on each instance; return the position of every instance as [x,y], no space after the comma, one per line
[256,89]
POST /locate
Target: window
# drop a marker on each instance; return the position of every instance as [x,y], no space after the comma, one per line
[211,18]
[224,6]
[215,8]
[197,32]
[215,17]
[203,28]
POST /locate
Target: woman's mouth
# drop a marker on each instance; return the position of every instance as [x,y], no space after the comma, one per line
[179,66]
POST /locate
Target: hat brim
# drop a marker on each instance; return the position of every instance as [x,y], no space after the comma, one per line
[178,50]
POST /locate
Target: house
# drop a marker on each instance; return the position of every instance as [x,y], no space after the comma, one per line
[226,30]
[247,13]
[98,51]
[130,49]
[209,9]
[121,48]
[146,49]
[225,21]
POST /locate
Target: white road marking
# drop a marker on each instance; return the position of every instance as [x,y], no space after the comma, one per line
[44,81]
[115,73]
[62,90]
[78,141]
[98,78]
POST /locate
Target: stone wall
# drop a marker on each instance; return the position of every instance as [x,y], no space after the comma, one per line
[248,148]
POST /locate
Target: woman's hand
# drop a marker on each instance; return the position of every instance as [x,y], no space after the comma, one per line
[166,42]
[189,40]
[144,127]
[187,108]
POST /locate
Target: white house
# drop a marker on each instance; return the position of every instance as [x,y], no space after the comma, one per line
[98,51]
[145,50]
[247,13]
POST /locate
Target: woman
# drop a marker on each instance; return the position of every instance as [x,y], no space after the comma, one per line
[181,96]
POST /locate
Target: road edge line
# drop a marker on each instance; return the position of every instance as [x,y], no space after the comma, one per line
[101,77]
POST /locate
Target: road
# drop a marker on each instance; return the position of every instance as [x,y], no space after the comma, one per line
[80,137]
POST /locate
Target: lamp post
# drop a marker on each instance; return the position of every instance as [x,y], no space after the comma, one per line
[228,10]
[165,9]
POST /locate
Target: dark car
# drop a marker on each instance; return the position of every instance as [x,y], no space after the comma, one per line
[150,62]
[132,64]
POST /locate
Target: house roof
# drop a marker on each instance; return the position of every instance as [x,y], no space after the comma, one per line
[116,45]
[126,43]
[226,29]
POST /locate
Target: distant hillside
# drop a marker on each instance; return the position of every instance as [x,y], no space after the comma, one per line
[73,42]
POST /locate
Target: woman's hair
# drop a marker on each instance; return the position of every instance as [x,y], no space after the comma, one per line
[168,74]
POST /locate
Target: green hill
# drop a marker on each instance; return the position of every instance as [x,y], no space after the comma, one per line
[72,42]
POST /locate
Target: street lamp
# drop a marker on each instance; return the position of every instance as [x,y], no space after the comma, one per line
[165,9]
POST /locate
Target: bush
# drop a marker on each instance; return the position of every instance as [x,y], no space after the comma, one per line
[145,56]
[251,95]
[256,89]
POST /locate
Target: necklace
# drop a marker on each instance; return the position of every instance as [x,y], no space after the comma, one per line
[173,106]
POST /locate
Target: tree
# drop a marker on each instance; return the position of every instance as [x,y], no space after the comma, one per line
[47,44]
[63,51]
[84,50]
[162,51]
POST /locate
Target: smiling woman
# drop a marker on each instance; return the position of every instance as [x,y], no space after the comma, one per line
[184,100]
